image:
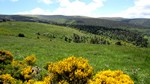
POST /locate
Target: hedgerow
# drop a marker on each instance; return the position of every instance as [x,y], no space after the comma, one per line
[71,70]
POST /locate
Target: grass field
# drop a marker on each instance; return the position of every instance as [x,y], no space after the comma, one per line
[132,60]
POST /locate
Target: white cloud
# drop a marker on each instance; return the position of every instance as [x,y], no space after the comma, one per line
[36,11]
[67,7]
[64,3]
[141,9]
[77,7]
[46,1]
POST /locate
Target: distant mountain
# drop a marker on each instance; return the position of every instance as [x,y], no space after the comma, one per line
[114,22]
[4,18]
[145,22]
[113,18]
[140,21]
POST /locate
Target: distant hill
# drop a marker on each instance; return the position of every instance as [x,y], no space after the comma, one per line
[145,22]
[81,20]
[116,30]
[140,21]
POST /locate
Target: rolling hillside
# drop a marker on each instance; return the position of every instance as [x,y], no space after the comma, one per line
[141,25]
[115,30]
[48,43]
[47,32]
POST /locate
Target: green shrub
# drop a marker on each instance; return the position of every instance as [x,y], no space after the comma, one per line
[21,35]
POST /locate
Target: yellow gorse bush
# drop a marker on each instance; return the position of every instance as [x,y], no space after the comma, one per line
[29,81]
[111,77]
[72,69]
[30,59]
[17,63]
[26,72]
[7,79]
[5,57]
[46,80]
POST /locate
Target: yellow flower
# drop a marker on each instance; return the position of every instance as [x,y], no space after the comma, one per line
[29,82]
[63,82]
[72,69]
[5,56]
[16,63]
[40,82]
[26,72]
[7,78]
[111,77]
[30,59]
[48,79]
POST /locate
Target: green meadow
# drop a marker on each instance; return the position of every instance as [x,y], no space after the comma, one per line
[47,43]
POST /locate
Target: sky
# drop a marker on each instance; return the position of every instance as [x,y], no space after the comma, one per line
[91,8]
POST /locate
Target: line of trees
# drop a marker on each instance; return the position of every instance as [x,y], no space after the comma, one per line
[84,39]
[115,33]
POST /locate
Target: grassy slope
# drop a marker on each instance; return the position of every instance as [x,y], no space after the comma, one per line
[132,60]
